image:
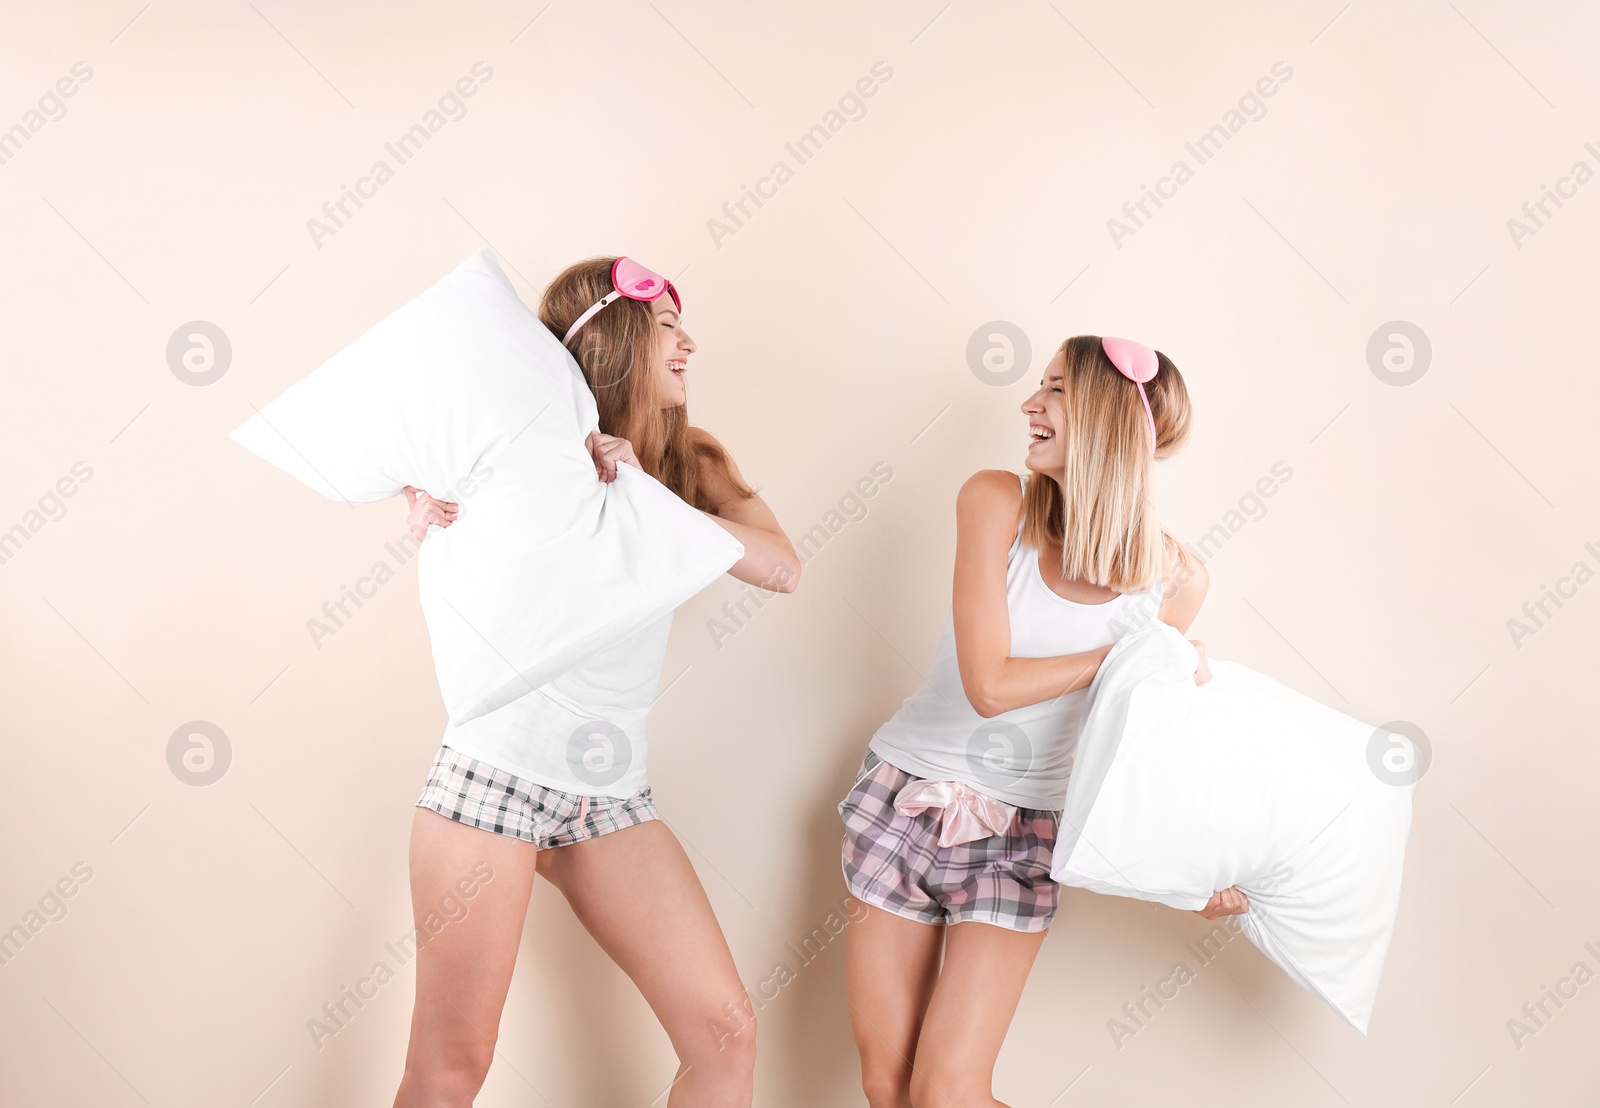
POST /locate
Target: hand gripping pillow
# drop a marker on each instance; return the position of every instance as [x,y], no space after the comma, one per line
[1179,790]
[464,393]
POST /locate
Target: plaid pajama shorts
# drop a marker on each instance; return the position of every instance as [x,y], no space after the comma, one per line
[483,796]
[894,861]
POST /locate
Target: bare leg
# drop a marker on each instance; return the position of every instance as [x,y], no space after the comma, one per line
[984,970]
[891,966]
[637,894]
[464,970]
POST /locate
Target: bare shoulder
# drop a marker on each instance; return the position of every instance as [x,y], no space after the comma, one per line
[990,500]
[991,488]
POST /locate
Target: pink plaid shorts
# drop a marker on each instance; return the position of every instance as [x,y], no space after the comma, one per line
[492,799]
[894,861]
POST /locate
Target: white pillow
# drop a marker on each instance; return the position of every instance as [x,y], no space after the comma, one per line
[1180,790]
[465,394]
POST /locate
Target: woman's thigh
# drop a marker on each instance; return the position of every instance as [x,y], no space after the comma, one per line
[636,892]
[985,968]
[891,967]
[467,944]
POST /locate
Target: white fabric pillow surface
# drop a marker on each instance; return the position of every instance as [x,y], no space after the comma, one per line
[464,393]
[1179,790]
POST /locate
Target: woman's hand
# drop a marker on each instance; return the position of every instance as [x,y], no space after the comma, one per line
[1202,672]
[607,451]
[1229,902]
[426,511]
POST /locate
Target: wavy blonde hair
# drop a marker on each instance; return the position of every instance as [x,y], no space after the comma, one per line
[616,350]
[1102,512]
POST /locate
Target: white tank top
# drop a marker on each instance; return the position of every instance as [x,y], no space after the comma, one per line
[582,732]
[1022,756]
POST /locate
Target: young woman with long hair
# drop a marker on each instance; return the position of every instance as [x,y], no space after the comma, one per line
[555,799]
[950,824]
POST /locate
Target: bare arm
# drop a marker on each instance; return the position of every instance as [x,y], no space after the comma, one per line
[769,558]
[987,510]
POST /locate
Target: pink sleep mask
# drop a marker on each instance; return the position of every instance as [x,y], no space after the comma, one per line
[630,279]
[1138,363]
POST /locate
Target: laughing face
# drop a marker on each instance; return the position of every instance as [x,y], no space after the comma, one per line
[1047,415]
[673,348]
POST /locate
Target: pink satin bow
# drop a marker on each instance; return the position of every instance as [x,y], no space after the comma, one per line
[967,814]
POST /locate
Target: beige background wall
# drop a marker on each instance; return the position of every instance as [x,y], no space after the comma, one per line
[176,582]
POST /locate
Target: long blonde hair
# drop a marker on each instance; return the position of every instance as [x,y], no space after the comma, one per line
[616,350]
[1102,512]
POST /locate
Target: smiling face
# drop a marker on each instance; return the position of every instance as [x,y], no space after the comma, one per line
[1046,410]
[673,347]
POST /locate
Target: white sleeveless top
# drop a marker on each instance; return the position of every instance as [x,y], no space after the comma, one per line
[583,731]
[1023,756]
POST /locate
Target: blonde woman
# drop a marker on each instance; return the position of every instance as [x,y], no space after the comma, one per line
[950,824]
[525,790]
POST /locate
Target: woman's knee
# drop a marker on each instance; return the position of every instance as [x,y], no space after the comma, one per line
[447,1075]
[927,1094]
[937,1086]
[729,1041]
[886,1086]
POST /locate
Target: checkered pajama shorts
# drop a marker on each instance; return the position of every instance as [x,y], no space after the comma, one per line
[895,862]
[483,796]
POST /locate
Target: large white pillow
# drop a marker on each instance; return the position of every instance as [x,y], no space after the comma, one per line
[464,393]
[1179,790]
